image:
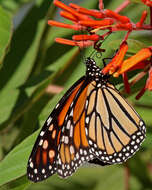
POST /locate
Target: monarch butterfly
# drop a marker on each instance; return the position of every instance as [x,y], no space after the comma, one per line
[92,122]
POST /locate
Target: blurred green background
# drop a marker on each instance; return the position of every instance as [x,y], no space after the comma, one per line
[30,62]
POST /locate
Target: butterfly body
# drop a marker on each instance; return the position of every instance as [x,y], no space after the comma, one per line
[92,122]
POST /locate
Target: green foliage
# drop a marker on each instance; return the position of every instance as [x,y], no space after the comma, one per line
[5,33]
[31,61]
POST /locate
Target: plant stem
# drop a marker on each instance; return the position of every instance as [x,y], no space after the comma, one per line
[127,175]
[122,6]
[150,16]
[101,6]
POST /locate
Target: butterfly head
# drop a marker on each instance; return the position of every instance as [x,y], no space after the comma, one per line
[93,71]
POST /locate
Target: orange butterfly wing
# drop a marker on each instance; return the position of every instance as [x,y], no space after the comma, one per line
[114,128]
[42,162]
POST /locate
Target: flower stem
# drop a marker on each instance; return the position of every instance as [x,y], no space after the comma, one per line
[101,6]
[150,16]
[122,6]
[127,176]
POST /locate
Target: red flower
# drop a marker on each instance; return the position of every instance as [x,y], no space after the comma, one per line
[147,2]
[92,21]
[141,60]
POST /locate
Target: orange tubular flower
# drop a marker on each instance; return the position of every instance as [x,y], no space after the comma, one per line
[71,10]
[112,14]
[136,59]
[143,18]
[81,44]
[147,2]
[93,37]
[116,62]
[63,25]
[68,15]
[92,21]
[93,13]
[149,80]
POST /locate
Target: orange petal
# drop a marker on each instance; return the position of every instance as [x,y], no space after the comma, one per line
[140,65]
[90,23]
[127,26]
[68,15]
[93,13]
[142,55]
[63,25]
[149,80]
[81,44]
[70,10]
[142,19]
[75,6]
[93,37]
[101,6]
[117,60]
[65,41]
[147,2]
[112,14]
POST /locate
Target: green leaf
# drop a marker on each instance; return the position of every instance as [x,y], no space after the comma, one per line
[21,152]
[28,83]
[13,5]
[142,36]
[21,59]
[21,183]
[148,142]
[14,164]
[5,33]
[136,1]
[134,45]
[87,177]
[137,165]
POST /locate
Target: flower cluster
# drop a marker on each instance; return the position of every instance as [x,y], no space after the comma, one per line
[147,2]
[92,21]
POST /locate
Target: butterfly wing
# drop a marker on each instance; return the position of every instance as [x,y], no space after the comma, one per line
[89,123]
[42,162]
[115,130]
[74,149]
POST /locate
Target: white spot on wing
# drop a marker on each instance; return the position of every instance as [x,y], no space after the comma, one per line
[41,142]
[35,171]
[42,133]
[87,120]
[66,139]
[31,164]
[71,114]
[71,131]
[49,120]
[71,149]
[43,171]
[68,124]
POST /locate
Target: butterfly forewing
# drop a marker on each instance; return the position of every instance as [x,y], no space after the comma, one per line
[115,129]
[43,160]
[74,147]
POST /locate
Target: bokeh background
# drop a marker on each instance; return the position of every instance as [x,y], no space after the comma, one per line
[31,64]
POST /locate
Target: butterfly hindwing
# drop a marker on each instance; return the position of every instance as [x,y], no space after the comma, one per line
[115,130]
